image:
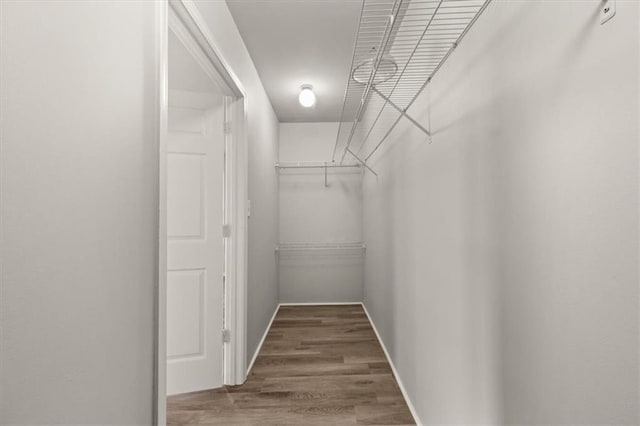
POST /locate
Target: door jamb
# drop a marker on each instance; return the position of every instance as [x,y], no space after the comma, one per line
[236,191]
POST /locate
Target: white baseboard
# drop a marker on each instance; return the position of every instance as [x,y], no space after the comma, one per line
[264,336]
[393,368]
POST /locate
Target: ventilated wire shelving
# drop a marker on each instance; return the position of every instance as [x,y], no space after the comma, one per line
[324,166]
[400,46]
[350,245]
[315,165]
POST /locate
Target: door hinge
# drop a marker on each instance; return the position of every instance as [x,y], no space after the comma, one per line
[228,126]
[226,336]
[226,231]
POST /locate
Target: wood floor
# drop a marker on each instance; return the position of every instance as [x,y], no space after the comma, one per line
[319,365]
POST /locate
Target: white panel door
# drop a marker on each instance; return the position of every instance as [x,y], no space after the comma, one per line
[195,170]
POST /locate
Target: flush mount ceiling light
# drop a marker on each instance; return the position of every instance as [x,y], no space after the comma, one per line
[307,98]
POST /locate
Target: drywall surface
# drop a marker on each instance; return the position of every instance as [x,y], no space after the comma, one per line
[262,288]
[79,185]
[313,213]
[502,259]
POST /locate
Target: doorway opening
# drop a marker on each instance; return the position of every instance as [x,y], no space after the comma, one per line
[201,300]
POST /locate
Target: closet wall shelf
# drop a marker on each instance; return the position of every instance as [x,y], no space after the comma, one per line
[400,46]
[354,245]
[317,165]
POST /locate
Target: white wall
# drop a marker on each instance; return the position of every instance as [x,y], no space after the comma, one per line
[502,260]
[262,291]
[311,213]
[79,212]
[79,207]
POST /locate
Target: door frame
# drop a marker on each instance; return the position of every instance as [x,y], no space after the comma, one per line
[185,14]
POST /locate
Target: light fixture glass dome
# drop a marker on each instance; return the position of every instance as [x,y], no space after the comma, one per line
[307,98]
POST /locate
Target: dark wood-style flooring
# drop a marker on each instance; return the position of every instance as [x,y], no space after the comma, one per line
[319,365]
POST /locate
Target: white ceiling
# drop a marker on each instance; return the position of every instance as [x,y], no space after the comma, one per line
[296,42]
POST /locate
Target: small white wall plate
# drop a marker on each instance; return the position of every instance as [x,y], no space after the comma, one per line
[607,10]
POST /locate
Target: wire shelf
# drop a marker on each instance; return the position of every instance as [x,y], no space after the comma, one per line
[400,46]
[351,245]
[315,165]
[321,166]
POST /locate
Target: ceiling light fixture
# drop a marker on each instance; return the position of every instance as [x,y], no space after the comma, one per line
[307,98]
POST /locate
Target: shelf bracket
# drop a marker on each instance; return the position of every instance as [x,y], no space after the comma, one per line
[402,111]
[361,161]
[326,184]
